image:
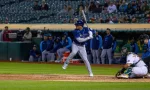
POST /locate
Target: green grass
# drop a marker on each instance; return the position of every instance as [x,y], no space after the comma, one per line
[32,68]
[48,85]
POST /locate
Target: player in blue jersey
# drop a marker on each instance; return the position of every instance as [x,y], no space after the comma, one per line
[81,35]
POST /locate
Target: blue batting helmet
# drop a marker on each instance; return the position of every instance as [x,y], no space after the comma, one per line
[79,23]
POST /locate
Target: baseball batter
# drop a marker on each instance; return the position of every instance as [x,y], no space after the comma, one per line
[137,66]
[81,35]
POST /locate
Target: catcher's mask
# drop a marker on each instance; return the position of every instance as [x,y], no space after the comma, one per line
[124,51]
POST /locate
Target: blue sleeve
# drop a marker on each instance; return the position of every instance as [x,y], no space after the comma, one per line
[114,46]
[76,34]
[100,42]
[41,46]
[91,41]
[136,49]
[69,42]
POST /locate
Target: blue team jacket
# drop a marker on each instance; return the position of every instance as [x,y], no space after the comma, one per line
[44,45]
[114,45]
[107,42]
[96,42]
[134,48]
[56,47]
[67,42]
[50,45]
[147,53]
[80,33]
[34,53]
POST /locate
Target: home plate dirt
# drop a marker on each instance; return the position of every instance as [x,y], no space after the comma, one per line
[83,78]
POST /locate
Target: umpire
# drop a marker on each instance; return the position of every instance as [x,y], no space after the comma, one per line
[146,55]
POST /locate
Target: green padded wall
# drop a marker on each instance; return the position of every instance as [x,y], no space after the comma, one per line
[3,50]
[37,42]
[19,50]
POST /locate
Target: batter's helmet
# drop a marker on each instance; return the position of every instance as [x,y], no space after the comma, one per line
[79,23]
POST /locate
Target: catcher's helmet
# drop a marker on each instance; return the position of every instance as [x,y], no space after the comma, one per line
[125,49]
[79,23]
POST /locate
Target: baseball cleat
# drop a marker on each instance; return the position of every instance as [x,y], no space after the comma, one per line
[123,76]
[64,66]
[91,75]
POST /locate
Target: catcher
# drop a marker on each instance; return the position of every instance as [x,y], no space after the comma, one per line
[134,67]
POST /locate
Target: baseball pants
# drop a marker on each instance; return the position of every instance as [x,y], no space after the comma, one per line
[60,53]
[95,55]
[107,52]
[138,72]
[47,55]
[82,52]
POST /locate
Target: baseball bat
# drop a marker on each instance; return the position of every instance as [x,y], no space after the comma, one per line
[84,18]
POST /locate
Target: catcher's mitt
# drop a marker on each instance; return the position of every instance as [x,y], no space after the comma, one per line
[118,74]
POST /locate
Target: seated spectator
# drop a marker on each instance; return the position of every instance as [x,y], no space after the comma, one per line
[144,7]
[34,54]
[64,10]
[66,44]
[71,21]
[101,20]
[130,10]
[104,10]
[44,6]
[134,20]
[148,16]
[112,8]
[114,19]
[6,34]
[92,6]
[92,19]
[28,35]
[70,11]
[123,7]
[117,4]
[106,3]
[98,8]
[36,6]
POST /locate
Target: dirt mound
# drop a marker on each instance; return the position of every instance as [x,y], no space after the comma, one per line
[84,78]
